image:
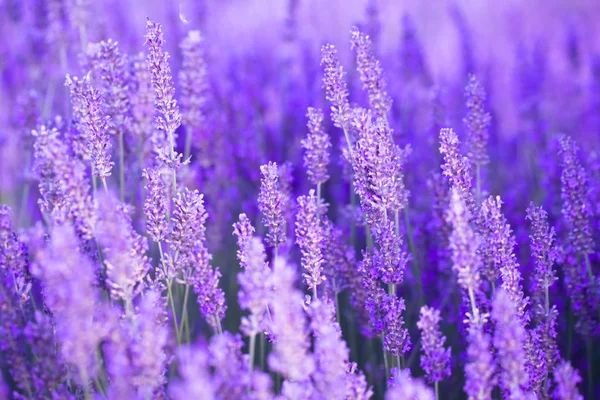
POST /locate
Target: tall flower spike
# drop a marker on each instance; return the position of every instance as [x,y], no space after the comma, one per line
[193,80]
[13,256]
[255,290]
[124,251]
[155,205]
[457,168]
[331,353]
[404,386]
[480,370]
[317,146]
[68,280]
[167,118]
[88,105]
[566,378]
[371,73]
[499,244]
[463,243]
[142,108]
[196,379]
[510,339]
[576,210]
[336,91]
[291,350]
[309,237]
[544,254]
[435,359]
[477,122]
[271,203]
[188,221]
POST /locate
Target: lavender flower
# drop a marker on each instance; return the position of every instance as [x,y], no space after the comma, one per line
[566,378]
[396,338]
[155,205]
[168,117]
[336,91]
[317,146]
[480,370]
[404,386]
[463,243]
[371,73]
[193,79]
[457,169]
[110,66]
[68,280]
[87,105]
[331,353]
[510,339]
[271,205]
[188,220]
[476,122]
[196,380]
[499,246]
[255,291]
[309,237]
[390,258]
[435,360]
[576,210]
[124,249]
[231,372]
[13,256]
[141,100]
[291,350]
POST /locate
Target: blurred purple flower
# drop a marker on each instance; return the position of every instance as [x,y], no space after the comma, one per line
[477,122]
[271,203]
[435,359]
[336,91]
[317,146]
[309,237]
[566,379]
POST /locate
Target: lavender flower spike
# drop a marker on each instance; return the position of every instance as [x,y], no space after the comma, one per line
[480,370]
[463,243]
[371,73]
[576,210]
[271,203]
[336,91]
[309,237]
[196,379]
[168,117]
[317,146]
[193,79]
[476,122]
[435,360]
[13,256]
[404,386]
[510,339]
[155,205]
[457,168]
[566,378]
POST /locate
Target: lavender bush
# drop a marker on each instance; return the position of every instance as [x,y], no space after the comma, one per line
[361,201]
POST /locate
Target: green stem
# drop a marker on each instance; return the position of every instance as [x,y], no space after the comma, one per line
[121,166]
[104,184]
[385,361]
[263,351]
[437,390]
[188,143]
[184,312]
[175,324]
[252,346]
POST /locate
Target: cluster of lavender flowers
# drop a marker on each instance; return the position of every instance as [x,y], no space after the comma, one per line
[184,218]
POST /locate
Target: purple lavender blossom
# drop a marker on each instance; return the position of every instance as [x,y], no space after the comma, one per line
[435,359]
[193,80]
[566,378]
[188,221]
[141,100]
[14,256]
[271,205]
[331,353]
[88,106]
[231,372]
[317,146]
[124,251]
[576,210]
[336,91]
[404,386]
[155,205]
[371,73]
[168,117]
[194,370]
[68,279]
[291,350]
[309,237]
[390,258]
[463,243]
[457,169]
[396,338]
[480,370]
[255,292]
[499,244]
[510,339]
[477,122]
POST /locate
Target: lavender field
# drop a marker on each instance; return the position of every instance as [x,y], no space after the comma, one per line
[299,199]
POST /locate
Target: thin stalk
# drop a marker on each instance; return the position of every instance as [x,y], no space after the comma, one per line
[188,143]
[413,251]
[437,390]
[121,166]
[590,373]
[252,346]
[175,324]
[318,194]
[104,184]
[263,344]
[86,386]
[337,306]
[315,292]
[94,182]
[184,312]
[385,360]
[473,306]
